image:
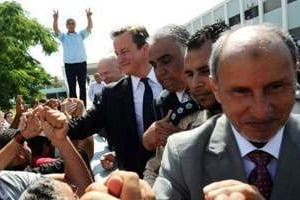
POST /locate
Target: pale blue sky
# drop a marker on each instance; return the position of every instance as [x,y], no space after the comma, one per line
[108,15]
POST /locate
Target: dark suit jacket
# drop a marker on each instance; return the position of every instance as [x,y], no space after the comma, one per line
[209,153]
[116,115]
[164,102]
[169,101]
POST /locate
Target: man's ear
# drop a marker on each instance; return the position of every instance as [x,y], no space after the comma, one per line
[145,49]
[214,87]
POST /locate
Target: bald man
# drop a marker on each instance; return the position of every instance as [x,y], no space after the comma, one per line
[252,150]
[109,70]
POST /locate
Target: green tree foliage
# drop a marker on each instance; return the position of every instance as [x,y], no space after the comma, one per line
[20,73]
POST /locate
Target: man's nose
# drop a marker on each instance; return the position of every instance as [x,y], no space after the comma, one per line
[261,107]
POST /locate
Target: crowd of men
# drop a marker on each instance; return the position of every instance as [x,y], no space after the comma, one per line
[203,116]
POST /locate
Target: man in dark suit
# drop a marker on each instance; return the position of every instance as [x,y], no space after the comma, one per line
[122,111]
[256,141]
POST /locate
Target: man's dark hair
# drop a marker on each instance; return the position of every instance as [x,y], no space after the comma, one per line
[7,113]
[139,34]
[41,189]
[207,33]
[6,136]
[70,20]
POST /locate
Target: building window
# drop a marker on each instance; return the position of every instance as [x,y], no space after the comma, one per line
[270,5]
[234,20]
[220,20]
[290,1]
[295,32]
[251,13]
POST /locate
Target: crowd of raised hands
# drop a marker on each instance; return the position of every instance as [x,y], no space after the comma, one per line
[51,120]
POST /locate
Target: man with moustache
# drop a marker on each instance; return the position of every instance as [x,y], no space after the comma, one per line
[166,54]
[253,76]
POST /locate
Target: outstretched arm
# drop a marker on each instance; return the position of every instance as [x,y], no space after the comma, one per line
[55,22]
[11,149]
[76,171]
[89,20]
[8,153]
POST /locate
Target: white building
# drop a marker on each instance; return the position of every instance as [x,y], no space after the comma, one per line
[283,13]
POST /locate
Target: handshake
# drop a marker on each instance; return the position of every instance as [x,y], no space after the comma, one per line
[51,122]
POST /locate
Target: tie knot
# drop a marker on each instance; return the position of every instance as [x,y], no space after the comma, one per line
[260,158]
[145,80]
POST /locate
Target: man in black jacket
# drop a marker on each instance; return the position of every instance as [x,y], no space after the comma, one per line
[121,111]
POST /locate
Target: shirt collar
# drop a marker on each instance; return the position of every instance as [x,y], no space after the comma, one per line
[179,95]
[70,33]
[136,80]
[272,147]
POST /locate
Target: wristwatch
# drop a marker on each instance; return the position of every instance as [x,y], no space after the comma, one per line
[19,137]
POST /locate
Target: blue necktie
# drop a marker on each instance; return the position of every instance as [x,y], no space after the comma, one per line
[148,113]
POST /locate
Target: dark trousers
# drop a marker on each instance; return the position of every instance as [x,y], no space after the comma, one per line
[77,71]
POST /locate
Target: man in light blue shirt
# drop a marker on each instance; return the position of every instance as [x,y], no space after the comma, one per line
[74,53]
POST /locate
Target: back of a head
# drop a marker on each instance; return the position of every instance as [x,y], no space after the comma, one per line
[6,136]
[41,189]
[259,37]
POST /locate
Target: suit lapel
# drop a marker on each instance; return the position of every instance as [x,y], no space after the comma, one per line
[125,98]
[130,103]
[286,181]
[223,160]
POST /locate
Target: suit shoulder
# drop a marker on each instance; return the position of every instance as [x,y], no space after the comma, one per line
[118,83]
[194,138]
[117,86]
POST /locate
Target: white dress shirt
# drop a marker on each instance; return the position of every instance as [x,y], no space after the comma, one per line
[95,88]
[272,147]
[138,89]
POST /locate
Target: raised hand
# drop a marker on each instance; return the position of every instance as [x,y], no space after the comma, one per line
[68,106]
[158,133]
[73,107]
[231,190]
[30,124]
[108,160]
[55,125]
[88,12]
[121,185]
[55,14]
[52,103]
[20,107]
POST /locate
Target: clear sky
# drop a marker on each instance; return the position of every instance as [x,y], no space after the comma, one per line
[108,15]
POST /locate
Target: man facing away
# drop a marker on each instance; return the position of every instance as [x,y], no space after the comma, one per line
[74,53]
[253,76]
